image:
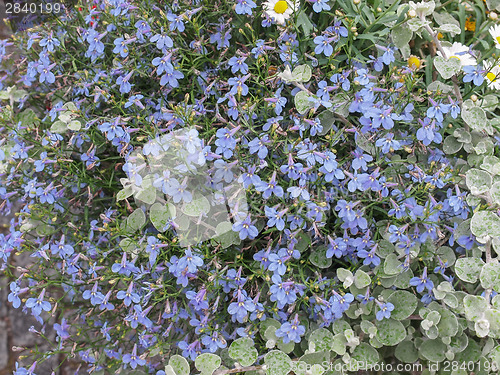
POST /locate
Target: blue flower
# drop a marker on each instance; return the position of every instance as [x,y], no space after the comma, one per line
[175,22]
[275,217]
[385,310]
[124,83]
[428,132]
[369,257]
[320,5]
[162,40]
[278,262]
[133,359]
[38,304]
[271,187]
[13,296]
[238,86]
[240,309]
[323,45]
[191,261]
[258,145]
[129,296]
[244,7]
[49,42]
[422,282]
[474,73]
[45,74]
[238,64]
[94,295]
[245,229]
[388,143]
[437,110]
[213,342]
[291,331]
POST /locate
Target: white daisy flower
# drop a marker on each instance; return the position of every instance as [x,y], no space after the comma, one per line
[281,10]
[459,51]
[493,76]
[495,33]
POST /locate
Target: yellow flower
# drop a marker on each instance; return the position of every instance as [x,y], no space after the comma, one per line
[492,77]
[414,62]
[470,25]
[281,10]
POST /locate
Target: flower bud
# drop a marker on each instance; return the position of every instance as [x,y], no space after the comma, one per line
[473,97]
[493,16]
[412,13]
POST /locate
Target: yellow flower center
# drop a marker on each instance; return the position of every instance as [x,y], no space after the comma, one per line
[491,76]
[414,62]
[498,39]
[280,7]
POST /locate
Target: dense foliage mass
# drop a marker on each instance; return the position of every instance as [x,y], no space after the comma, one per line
[259,187]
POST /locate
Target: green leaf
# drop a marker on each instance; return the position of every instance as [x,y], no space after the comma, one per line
[406,352]
[462,135]
[128,245]
[485,223]
[447,67]
[304,22]
[302,102]
[401,36]
[439,86]
[385,248]
[58,127]
[302,73]
[318,257]
[339,344]
[207,363]
[451,145]
[345,276]
[490,276]
[449,28]
[225,235]
[28,118]
[474,307]
[390,332]
[147,193]
[392,265]
[197,207]
[448,323]
[366,354]
[124,193]
[160,214]
[277,363]
[327,119]
[493,5]
[475,117]
[444,18]
[169,370]
[404,303]
[361,279]
[415,24]
[322,339]
[243,351]
[468,269]
[478,181]
[74,125]
[433,350]
[491,164]
[179,364]
[495,192]
[136,219]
